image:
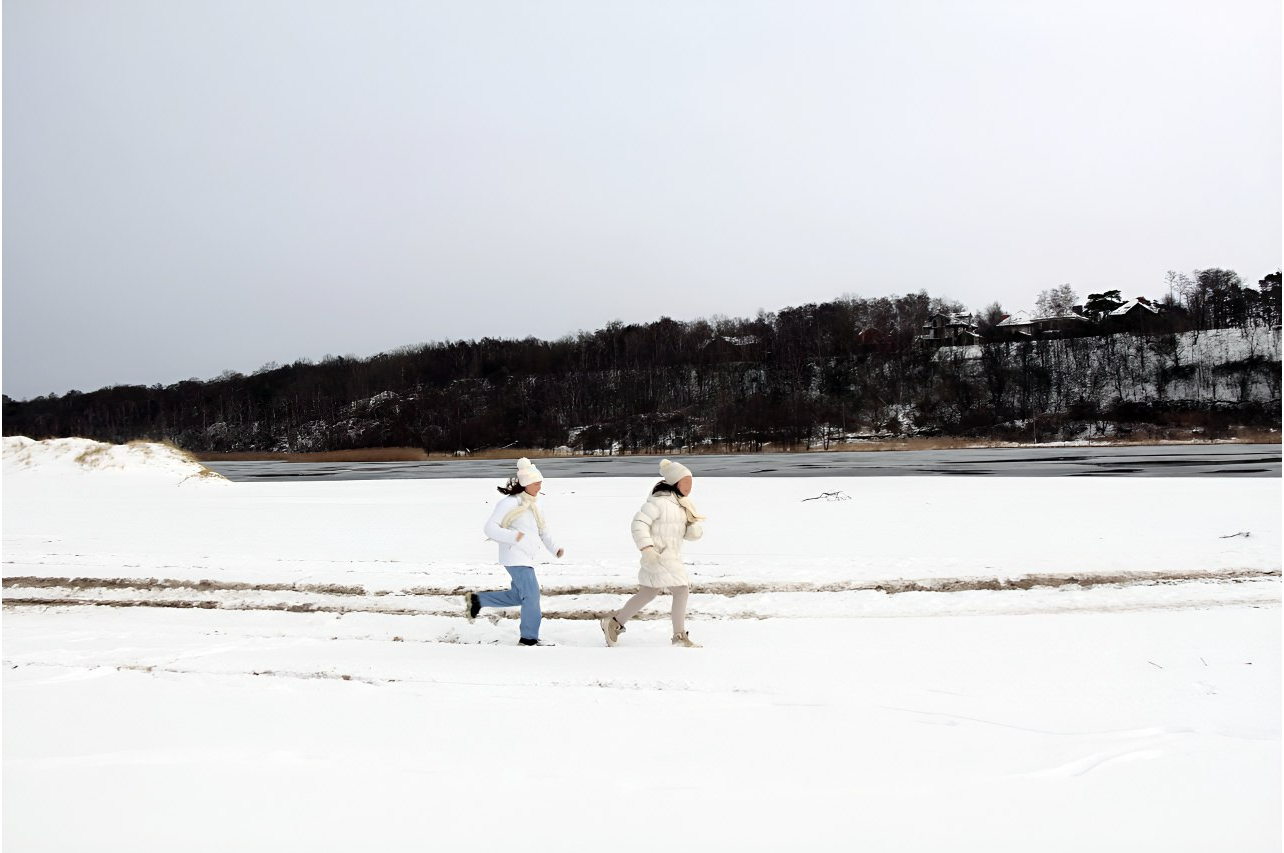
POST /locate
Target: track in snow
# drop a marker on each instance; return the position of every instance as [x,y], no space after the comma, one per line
[1035,593]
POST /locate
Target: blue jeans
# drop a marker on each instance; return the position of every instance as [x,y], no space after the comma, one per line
[524,591]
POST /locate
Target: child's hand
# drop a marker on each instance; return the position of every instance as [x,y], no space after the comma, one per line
[520,534]
[561,551]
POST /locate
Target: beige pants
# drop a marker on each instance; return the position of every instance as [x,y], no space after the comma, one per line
[643,598]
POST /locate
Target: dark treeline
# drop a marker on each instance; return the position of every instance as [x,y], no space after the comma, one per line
[800,375]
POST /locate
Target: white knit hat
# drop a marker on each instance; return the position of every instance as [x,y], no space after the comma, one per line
[527,473]
[672,472]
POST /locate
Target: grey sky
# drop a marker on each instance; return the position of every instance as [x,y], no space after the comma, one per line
[198,186]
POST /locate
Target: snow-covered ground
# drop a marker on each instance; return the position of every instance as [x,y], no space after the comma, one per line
[1034,664]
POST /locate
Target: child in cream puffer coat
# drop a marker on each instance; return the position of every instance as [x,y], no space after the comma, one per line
[665,521]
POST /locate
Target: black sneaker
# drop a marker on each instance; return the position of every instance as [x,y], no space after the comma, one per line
[472,606]
[527,642]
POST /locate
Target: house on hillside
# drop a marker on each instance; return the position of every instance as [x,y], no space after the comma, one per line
[870,339]
[948,330]
[1024,326]
[1014,327]
[1136,315]
[1064,326]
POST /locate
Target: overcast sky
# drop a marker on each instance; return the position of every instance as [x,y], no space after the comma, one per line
[195,186]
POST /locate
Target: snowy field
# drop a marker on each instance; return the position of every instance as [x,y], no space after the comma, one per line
[928,664]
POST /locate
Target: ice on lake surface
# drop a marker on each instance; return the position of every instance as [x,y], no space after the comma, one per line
[1204,460]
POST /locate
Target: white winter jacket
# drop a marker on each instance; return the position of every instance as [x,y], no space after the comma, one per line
[512,552]
[662,523]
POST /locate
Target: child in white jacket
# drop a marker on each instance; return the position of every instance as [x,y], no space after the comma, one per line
[516,524]
[666,519]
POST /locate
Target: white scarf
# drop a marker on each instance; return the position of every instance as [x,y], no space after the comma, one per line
[692,515]
[526,504]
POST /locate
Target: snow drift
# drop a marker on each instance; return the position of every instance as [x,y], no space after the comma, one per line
[84,457]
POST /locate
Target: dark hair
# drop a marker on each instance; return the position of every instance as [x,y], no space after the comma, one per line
[512,487]
[662,487]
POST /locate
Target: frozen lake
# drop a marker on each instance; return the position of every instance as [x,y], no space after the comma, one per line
[1229,460]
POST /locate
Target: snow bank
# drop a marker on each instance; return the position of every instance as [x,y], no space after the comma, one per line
[79,457]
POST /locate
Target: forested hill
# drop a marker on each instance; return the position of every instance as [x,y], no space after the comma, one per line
[811,374]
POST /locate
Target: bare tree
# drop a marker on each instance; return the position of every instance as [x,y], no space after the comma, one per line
[1056,302]
[1179,286]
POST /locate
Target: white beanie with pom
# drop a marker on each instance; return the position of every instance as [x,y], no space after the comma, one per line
[672,472]
[527,473]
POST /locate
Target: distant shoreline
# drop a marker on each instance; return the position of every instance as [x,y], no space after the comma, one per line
[414,454]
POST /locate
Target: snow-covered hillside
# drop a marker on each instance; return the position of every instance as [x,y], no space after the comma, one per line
[1208,368]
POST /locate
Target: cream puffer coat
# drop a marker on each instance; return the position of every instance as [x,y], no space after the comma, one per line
[662,523]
